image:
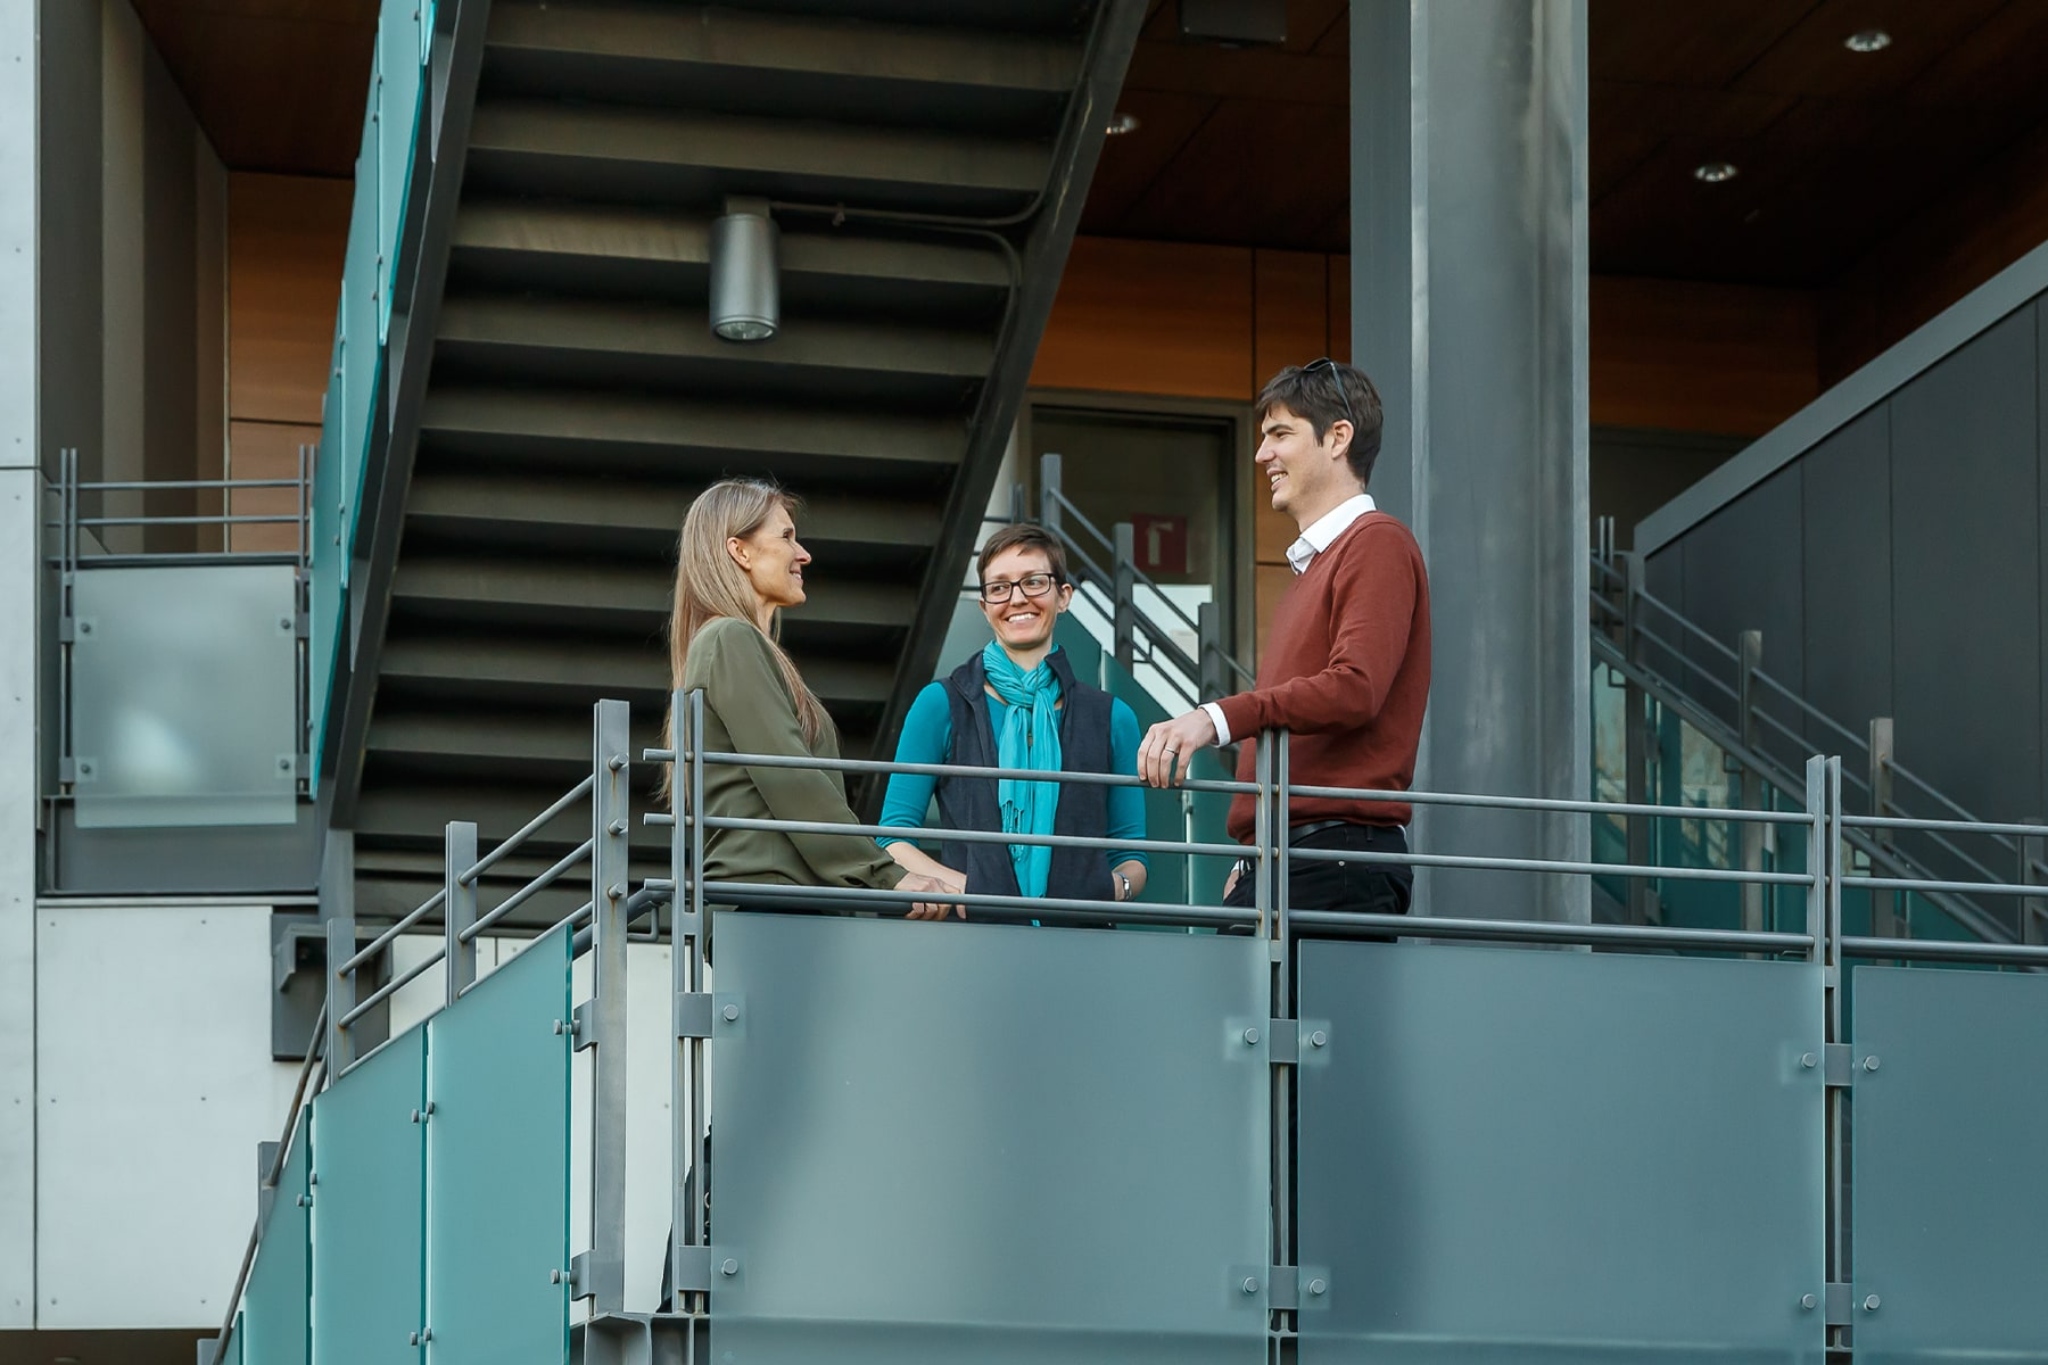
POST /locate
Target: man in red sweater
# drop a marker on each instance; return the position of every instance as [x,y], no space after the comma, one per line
[1346,665]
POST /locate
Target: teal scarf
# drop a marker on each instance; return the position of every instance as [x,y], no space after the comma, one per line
[1028,737]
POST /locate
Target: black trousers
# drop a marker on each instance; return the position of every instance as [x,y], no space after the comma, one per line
[1370,888]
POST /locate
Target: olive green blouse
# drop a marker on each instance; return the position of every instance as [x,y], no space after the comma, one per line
[748,709]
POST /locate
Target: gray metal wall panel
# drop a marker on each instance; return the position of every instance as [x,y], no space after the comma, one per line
[1966,574]
[1664,575]
[1742,573]
[1848,576]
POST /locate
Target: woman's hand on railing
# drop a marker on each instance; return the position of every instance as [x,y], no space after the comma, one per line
[918,881]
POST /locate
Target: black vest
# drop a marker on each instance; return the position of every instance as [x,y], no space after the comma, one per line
[973,802]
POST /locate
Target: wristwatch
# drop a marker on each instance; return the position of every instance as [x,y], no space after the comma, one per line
[1123,886]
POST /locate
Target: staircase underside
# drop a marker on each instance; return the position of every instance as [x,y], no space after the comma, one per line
[578,401]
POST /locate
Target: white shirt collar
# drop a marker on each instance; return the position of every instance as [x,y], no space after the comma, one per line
[1325,529]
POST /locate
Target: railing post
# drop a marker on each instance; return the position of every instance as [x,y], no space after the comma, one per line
[1885,919]
[2034,872]
[338,909]
[1642,897]
[458,906]
[610,813]
[1824,922]
[689,920]
[1264,861]
[1751,834]
[1126,606]
[1048,494]
[1209,642]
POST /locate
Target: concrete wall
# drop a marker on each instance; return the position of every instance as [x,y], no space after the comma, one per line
[1889,542]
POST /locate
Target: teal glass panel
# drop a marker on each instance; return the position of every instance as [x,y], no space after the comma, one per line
[949,1142]
[185,695]
[368,1208]
[362,293]
[498,1165]
[231,1350]
[398,86]
[1524,1155]
[327,598]
[1951,1193]
[274,1324]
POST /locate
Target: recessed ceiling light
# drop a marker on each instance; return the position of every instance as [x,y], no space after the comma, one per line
[1122,123]
[1868,40]
[1715,172]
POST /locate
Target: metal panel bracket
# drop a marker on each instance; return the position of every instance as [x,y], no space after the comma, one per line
[579,1276]
[1283,1042]
[1283,1287]
[693,1270]
[1839,1070]
[583,1028]
[1841,1305]
[693,1014]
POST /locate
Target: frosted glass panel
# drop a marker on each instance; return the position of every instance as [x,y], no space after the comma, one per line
[368,1215]
[1951,1193]
[273,1325]
[1521,1156]
[949,1142]
[184,682]
[498,1165]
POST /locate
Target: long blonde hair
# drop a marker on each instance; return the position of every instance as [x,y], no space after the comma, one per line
[710,584]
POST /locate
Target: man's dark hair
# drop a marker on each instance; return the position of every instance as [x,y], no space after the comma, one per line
[1023,536]
[1326,391]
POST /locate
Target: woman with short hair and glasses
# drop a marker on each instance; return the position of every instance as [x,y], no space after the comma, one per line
[1017,704]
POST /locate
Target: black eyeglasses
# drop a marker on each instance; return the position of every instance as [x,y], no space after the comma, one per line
[1031,584]
[1329,367]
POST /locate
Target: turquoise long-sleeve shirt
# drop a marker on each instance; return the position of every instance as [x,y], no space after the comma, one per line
[928,738]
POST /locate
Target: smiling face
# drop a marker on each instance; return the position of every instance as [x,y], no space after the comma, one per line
[1308,477]
[773,562]
[1024,624]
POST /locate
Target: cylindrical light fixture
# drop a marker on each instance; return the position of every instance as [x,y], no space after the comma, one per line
[746,288]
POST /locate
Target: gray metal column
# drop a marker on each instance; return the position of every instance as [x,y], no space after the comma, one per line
[1468,269]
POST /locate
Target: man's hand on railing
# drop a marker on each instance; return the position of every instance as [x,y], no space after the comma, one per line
[1169,747]
[917,881]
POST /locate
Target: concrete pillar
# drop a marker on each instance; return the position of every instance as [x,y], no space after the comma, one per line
[20,494]
[1468,251]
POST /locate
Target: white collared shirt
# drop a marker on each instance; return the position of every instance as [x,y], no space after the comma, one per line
[1315,538]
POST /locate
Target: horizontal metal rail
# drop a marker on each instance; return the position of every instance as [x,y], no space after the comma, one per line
[1560,804]
[526,892]
[1945,950]
[526,831]
[390,935]
[1930,884]
[1550,932]
[231,485]
[1485,862]
[1927,788]
[1645,595]
[224,519]
[884,766]
[769,894]
[1855,741]
[394,986]
[974,836]
[2019,831]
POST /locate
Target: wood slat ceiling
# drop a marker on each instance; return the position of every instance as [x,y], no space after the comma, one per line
[1251,147]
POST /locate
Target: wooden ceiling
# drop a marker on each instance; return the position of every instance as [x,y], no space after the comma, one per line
[1836,150]
[278,85]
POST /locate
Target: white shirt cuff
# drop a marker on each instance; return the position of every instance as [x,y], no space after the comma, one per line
[1216,718]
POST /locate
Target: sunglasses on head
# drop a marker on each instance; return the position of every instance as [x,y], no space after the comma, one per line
[1329,367]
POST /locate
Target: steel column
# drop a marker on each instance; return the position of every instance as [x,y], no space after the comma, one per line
[338,910]
[458,908]
[1750,835]
[1643,904]
[1468,252]
[1885,919]
[609,817]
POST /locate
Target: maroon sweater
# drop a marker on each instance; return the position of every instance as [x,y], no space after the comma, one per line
[1346,670]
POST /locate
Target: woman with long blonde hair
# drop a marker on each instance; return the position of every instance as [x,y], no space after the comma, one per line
[739,565]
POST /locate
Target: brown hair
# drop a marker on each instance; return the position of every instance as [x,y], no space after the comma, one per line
[1024,536]
[1327,391]
[710,584]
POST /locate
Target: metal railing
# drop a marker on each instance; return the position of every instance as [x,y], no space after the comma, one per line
[1762,725]
[89,537]
[1822,826]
